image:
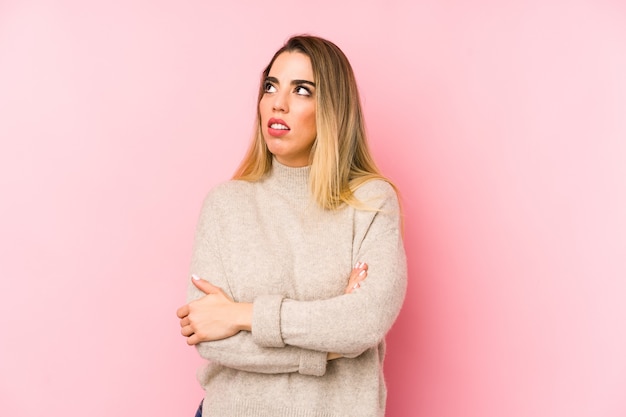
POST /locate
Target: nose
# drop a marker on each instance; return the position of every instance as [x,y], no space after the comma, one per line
[281,102]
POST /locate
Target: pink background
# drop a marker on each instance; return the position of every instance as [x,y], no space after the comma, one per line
[504,125]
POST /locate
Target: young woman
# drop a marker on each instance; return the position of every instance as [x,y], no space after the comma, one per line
[298,266]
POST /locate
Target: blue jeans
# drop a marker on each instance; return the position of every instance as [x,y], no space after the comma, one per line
[199,412]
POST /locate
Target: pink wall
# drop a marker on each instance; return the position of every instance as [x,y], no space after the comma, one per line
[503,125]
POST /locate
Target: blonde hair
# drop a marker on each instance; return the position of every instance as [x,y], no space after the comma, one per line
[340,158]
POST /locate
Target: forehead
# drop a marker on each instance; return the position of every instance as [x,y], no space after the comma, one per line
[292,66]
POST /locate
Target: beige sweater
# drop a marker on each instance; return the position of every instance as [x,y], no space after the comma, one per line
[266,242]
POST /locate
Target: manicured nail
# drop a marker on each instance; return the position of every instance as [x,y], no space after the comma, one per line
[195,277]
[362,273]
[355,286]
[356,265]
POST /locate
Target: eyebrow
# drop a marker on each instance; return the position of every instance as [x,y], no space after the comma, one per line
[293,82]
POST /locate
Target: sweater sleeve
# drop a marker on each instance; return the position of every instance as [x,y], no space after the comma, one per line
[349,324]
[240,351]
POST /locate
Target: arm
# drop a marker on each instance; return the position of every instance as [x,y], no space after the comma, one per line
[351,323]
[215,316]
[230,345]
[239,351]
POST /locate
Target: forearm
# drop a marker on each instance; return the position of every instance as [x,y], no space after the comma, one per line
[220,329]
[347,324]
[242,353]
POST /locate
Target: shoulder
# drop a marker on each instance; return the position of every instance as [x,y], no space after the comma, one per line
[377,192]
[228,194]
[379,211]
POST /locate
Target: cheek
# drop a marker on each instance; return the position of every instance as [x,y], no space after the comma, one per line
[311,122]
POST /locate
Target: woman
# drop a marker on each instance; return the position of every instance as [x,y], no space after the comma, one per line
[298,266]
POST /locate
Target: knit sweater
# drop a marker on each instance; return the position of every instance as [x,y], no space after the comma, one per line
[267,243]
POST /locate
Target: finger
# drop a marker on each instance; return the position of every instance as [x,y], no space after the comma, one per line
[204,285]
[358,274]
[185,322]
[359,267]
[352,278]
[353,288]
[355,271]
[193,340]
[359,278]
[183,311]
[186,331]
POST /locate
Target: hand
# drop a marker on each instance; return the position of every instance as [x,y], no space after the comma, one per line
[358,274]
[214,316]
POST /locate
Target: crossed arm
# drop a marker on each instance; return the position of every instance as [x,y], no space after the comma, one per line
[216,316]
[281,335]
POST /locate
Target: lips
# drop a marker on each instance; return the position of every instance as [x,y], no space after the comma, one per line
[277,124]
[277,127]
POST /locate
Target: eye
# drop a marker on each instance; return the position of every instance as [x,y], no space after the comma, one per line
[302,91]
[268,87]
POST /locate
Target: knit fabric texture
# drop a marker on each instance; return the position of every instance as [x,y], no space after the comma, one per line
[268,243]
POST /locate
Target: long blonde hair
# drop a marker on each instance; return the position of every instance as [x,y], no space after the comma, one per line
[340,158]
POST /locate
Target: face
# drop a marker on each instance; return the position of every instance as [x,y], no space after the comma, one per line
[287,109]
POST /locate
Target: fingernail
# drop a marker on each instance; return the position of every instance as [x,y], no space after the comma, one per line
[355,286]
[362,273]
[356,265]
[194,276]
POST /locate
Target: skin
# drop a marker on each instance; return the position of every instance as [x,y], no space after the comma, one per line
[291,97]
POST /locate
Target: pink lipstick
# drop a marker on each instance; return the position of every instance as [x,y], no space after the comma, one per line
[277,128]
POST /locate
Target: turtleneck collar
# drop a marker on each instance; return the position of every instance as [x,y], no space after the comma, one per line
[290,176]
[290,180]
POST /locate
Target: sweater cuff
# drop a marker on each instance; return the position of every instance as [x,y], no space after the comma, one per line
[312,362]
[266,321]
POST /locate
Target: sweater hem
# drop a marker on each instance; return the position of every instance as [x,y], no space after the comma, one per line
[249,409]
